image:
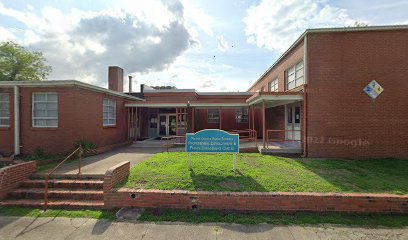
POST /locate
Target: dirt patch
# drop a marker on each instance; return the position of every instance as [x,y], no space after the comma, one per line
[230,185]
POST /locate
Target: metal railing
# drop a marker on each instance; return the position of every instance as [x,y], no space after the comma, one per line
[246,134]
[80,151]
[283,139]
[170,141]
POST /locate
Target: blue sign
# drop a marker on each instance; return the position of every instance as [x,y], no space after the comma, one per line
[212,141]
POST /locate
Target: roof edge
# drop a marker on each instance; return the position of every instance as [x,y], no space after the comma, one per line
[328,30]
[67,83]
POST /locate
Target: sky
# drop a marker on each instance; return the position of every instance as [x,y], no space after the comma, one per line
[208,45]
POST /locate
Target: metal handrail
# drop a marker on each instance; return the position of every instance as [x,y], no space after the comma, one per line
[252,135]
[279,140]
[80,151]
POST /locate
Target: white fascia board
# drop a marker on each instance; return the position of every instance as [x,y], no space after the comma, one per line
[269,98]
[156,105]
[219,104]
[67,83]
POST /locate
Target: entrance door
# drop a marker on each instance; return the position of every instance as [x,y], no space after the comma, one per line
[293,122]
[162,125]
[172,125]
[167,124]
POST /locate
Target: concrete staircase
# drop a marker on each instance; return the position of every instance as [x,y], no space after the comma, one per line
[64,191]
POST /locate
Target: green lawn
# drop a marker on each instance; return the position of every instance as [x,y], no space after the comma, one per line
[203,216]
[35,212]
[214,172]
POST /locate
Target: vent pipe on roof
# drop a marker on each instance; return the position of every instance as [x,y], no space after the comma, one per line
[130,84]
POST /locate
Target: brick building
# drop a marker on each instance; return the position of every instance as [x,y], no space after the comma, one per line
[313,95]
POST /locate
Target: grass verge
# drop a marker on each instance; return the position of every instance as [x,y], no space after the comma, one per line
[395,221]
[34,212]
[214,172]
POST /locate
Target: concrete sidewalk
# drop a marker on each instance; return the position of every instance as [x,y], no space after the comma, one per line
[98,164]
[66,228]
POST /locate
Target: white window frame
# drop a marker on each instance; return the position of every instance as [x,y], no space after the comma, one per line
[33,102]
[210,115]
[273,85]
[111,118]
[298,79]
[241,115]
[7,102]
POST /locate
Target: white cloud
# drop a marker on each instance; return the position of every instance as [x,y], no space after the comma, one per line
[275,24]
[82,44]
[222,44]
[197,17]
[6,35]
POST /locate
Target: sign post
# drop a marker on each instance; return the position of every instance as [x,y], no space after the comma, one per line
[212,141]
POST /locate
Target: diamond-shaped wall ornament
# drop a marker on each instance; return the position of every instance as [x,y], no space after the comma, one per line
[373,89]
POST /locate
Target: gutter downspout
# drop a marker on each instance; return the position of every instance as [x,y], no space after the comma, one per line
[16,121]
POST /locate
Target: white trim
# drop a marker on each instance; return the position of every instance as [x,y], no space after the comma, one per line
[156,105]
[8,108]
[261,98]
[110,103]
[67,83]
[33,118]
[169,105]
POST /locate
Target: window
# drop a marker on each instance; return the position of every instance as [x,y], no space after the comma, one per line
[262,89]
[213,116]
[294,76]
[241,115]
[297,114]
[273,86]
[4,110]
[45,110]
[109,112]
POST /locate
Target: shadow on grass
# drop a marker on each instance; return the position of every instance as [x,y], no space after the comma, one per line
[365,176]
[237,182]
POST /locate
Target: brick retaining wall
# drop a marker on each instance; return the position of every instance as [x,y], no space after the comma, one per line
[258,201]
[115,175]
[11,176]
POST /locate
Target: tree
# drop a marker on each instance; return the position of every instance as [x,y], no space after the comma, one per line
[19,64]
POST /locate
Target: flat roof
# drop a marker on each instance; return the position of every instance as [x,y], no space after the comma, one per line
[328,30]
[67,83]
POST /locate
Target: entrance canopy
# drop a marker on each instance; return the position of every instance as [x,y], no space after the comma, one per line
[186,104]
[273,99]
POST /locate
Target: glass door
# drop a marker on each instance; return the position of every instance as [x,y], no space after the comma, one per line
[162,125]
[172,124]
[293,122]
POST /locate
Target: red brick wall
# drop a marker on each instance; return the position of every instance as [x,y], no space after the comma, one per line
[257,201]
[7,133]
[275,120]
[339,112]
[115,175]
[228,120]
[11,176]
[279,70]
[79,118]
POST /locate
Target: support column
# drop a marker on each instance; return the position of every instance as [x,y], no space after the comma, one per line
[263,124]
[16,120]
[192,119]
[220,118]
[305,89]
[177,115]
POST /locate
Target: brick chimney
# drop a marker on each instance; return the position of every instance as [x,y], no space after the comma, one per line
[116,78]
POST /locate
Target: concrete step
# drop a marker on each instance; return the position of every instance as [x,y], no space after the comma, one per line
[63,183]
[68,204]
[69,176]
[56,193]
